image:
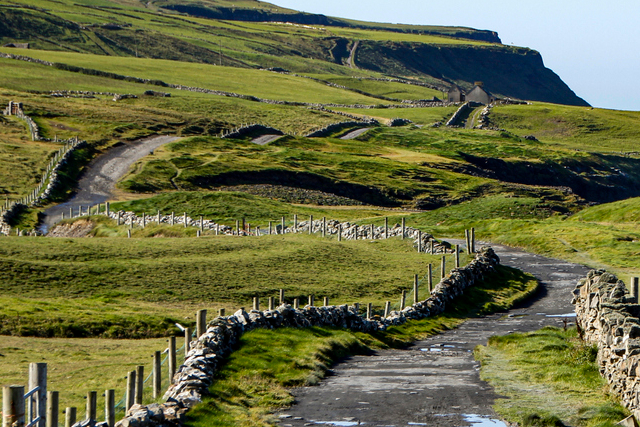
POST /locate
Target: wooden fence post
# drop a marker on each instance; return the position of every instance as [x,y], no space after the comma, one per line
[184,217]
[419,241]
[139,385]
[310,224]
[340,232]
[38,378]
[635,284]
[369,311]
[221,312]
[284,225]
[92,405]
[404,227]
[386,228]
[415,289]
[295,223]
[187,341]
[13,406]
[198,233]
[271,304]
[53,402]
[443,267]
[403,299]
[473,240]
[157,374]
[467,238]
[281,296]
[70,415]
[325,301]
[356,308]
[431,247]
[201,224]
[172,358]
[144,219]
[172,219]
[270,228]
[324,226]
[356,235]
[312,299]
[387,309]
[131,391]
[201,322]
[256,303]
[296,303]
[430,277]
[457,256]
[110,407]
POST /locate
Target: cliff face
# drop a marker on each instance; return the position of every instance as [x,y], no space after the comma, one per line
[511,72]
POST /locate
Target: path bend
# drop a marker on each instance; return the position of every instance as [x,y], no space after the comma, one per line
[436,381]
[99,179]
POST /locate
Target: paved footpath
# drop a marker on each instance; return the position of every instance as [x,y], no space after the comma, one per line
[435,382]
[100,177]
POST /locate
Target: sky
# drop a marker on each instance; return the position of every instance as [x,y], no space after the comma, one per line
[593,45]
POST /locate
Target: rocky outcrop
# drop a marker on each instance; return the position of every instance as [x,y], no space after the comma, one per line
[207,353]
[609,316]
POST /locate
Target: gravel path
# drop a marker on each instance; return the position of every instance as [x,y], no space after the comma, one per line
[100,177]
[354,133]
[435,382]
[265,139]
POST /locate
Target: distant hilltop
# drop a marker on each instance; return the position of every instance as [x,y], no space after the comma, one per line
[279,38]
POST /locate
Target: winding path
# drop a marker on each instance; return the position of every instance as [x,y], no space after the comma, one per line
[435,382]
[354,133]
[351,61]
[100,177]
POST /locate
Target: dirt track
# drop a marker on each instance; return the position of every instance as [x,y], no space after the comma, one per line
[435,382]
[101,176]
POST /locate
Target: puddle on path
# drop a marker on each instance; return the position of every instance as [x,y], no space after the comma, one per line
[339,423]
[562,315]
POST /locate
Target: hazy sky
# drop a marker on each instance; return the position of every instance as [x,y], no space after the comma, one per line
[593,45]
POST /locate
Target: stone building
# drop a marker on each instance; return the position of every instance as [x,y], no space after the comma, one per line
[477,94]
[480,95]
[455,94]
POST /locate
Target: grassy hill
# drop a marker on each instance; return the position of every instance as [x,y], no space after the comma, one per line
[253,34]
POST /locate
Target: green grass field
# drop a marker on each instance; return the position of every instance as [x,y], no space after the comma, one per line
[60,287]
[578,128]
[548,378]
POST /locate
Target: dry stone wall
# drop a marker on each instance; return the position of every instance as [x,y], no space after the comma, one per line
[609,316]
[207,353]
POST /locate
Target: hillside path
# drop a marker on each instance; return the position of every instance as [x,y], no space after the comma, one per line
[354,133]
[266,139]
[435,382]
[351,61]
[102,174]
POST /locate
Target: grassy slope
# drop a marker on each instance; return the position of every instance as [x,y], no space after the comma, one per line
[254,382]
[579,128]
[399,165]
[262,84]
[549,377]
[45,281]
[590,237]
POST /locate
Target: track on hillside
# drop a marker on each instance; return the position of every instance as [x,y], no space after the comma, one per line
[436,382]
[102,174]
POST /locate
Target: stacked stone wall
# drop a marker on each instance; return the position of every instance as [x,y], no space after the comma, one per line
[608,315]
[208,352]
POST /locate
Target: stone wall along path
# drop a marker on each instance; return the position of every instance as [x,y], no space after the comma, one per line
[435,382]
